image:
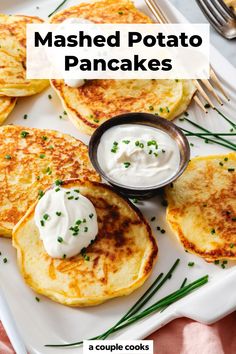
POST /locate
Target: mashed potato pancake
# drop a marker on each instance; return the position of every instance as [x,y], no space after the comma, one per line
[117,262]
[202,207]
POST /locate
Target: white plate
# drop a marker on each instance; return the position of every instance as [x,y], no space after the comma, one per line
[47,322]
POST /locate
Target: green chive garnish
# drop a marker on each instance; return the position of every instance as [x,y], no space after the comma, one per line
[127,164]
[58,182]
[24,134]
[60,239]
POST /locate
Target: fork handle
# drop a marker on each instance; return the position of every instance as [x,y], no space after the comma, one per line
[10,326]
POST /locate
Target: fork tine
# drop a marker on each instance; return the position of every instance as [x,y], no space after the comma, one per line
[199,103]
[223,9]
[203,93]
[155,9]
[162,18]
[217,83]
[210,12]
[211,90]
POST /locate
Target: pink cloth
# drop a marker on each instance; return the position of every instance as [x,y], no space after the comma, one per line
[181,336]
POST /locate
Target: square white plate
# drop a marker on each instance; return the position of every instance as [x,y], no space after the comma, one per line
[48,322]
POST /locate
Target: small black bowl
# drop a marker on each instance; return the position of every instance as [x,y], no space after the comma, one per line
[150,120]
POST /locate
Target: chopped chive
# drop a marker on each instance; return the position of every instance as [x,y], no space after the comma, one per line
[58,182]
[163,231]
[191,264]
[183,284]
[126,141]
[213,231]
[217,261]
[44,137]
[163,151]
[40,193]
[76,191]
[25,116]
[42,156]
[86,229]
[91,216]
[57,189]
[8,157]
[78,222]
[151,108]
[186,114]
[120,12]
[231,169]
[226,159]
[58,213]
[161,109]
[4,260]
[158,228]
[46,216]
[96,120]
[141,145]
[70,198]
[50,97]
[207,105]
[153,218]
[221,164]
[64,256]
[24,134]
[42,222]
[127,164]
[37,299]
[60,239]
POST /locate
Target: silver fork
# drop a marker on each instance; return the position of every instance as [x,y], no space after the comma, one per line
[220,16]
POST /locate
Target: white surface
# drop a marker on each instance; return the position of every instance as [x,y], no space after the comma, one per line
[47,322]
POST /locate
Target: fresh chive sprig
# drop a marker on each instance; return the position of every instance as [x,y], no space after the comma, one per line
[225,118]
[154,287]
[130,318]
[208,131]
[210,140]
[57,8]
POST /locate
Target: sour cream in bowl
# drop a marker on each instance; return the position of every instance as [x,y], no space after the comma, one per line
[138,153]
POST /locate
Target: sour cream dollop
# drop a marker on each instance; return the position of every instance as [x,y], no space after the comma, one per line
[74,21]
[67,222]
[136,155]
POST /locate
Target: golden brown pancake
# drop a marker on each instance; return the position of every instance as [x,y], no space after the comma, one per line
[202,207]
[6,106]
[98,100]
[13,80]
[116,263]
[31,160]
